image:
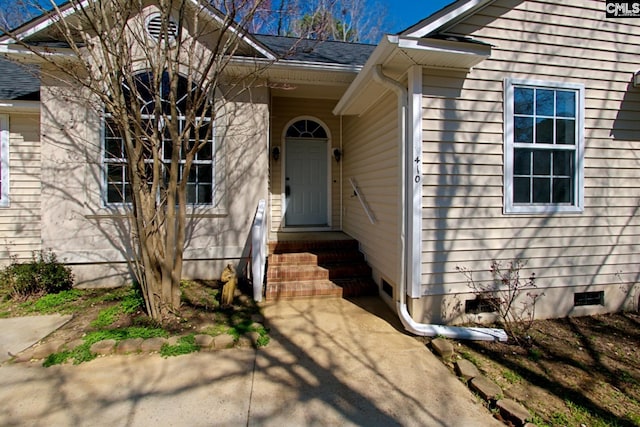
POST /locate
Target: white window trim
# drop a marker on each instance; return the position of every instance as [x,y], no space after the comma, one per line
[508,205]
[4,155]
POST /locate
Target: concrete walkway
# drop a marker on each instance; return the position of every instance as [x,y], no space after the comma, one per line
[330,363]
[18,333]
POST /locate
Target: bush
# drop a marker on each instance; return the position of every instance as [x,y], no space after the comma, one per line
[43,275]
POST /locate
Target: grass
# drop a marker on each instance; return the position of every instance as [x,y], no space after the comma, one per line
[118,314]
[185,345]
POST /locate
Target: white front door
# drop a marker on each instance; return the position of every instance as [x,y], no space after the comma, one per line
[306,182]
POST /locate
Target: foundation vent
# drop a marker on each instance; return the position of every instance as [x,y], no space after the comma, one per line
[387,288]
[480,305]
[588,298]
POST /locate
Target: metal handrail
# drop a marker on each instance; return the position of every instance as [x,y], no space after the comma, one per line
[365,206]
[258,250]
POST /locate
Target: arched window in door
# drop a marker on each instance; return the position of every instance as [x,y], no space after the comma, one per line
[306,129]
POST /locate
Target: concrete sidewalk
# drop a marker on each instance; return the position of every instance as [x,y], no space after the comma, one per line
[330,362]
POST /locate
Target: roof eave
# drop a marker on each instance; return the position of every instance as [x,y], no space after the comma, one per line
[414,51]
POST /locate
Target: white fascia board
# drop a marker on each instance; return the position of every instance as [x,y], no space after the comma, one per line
[445,17]
[379,56]
[445,46]
[29,55]
[48,21]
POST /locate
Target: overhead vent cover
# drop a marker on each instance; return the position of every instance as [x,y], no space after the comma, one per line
[155,30]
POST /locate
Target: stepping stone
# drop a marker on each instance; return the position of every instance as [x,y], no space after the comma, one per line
[103,347]
[131,345]
[442,347]
[487,389]
[223,341]
[204,341]
[43,350]
[466,370]
[153,344]
[513,411]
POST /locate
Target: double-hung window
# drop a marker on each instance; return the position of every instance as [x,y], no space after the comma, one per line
[4,160]
[200,181]
[544,146]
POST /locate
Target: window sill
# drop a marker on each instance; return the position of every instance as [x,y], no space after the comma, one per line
[544,210]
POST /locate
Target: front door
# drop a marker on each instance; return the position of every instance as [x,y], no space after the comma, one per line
[306,182]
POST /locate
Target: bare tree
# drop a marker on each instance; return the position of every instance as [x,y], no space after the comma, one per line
[155,72]
[340,20]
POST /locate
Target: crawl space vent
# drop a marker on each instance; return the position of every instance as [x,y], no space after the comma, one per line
[588,298]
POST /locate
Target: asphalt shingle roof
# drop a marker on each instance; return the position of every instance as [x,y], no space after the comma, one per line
[330,52]
[18,81]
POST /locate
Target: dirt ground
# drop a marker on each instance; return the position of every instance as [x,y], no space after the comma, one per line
[569,372]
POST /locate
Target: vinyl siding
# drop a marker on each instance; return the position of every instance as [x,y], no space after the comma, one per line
[463,223]
[371,158]
[20,227]
[284,110]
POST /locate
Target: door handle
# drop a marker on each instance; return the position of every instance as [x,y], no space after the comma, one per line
[287,191]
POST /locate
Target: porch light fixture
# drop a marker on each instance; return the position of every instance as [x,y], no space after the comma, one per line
[636,79]
[275,152]
[337,154]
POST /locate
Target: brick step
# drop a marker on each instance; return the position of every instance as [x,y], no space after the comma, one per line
[293,246]
[340,271]
[287,273]
[322,258]
[357,287]
[303,289]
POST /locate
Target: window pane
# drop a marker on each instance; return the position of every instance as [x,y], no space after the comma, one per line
[563,163]
[206,152]
[205,174]
[541,190]
[205,194]
[522,162]
[565,131]
[127,193]
[562,190]
[565,103]
[523,101]
[115,173]
[521,190]
[191,193]
[544,102]
[113,148]
[523,131]
[114,194]
[544,131]
[541,163]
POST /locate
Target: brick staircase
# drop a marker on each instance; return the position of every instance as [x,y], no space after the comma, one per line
[317,268]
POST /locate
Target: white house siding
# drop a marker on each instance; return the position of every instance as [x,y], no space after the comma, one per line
[284,111]
[371,159]
[94,239]
[20,222]
[463,220]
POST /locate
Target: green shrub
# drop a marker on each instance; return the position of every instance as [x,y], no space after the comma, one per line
[42,275]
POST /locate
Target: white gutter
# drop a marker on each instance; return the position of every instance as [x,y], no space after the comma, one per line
[416,328]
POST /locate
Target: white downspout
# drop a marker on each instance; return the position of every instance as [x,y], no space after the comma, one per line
[421,329]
